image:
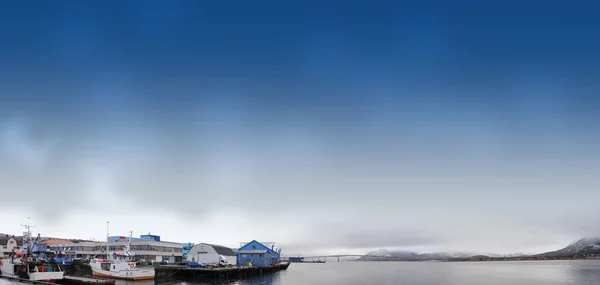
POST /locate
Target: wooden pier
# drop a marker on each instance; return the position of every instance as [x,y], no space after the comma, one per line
[184,273]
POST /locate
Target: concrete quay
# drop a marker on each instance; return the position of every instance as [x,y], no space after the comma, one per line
[183,273]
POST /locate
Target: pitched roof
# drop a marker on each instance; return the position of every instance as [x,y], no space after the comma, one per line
[4,239]
[256,242]
[222,250]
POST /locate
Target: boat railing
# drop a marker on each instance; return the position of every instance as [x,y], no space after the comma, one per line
[46,267]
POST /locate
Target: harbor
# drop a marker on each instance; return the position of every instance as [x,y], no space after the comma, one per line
[82,262]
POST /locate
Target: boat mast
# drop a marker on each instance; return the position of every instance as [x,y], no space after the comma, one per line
[129,244]
[107,222]
[27,239]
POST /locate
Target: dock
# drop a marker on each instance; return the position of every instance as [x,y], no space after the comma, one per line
[27,281]
[72,280]
[185,273]
[67,280]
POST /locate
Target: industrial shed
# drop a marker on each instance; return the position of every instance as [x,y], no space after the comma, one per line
[209,253]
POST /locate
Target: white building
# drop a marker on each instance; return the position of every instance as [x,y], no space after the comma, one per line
[209,253]
[152,251]
[9,244]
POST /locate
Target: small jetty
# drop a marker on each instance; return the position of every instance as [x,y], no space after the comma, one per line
[72,280]
[185,273]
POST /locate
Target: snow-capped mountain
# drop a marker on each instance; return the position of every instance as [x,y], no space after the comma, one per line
[583,247]
[583,244]
[383,254]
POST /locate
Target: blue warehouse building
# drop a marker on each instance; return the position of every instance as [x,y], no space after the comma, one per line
[257,254]
[186,248]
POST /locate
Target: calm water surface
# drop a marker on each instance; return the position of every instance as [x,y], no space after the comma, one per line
[423,273]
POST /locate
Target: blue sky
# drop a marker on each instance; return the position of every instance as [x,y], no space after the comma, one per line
[445,117]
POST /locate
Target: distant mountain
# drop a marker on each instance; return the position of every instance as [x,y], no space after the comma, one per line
[383,255]
[585,247]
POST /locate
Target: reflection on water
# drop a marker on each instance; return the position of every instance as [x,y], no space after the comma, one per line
[578,272]
[266,279]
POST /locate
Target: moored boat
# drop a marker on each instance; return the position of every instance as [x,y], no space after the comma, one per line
[30,266]
[120,269]
[34,271]
[120,266]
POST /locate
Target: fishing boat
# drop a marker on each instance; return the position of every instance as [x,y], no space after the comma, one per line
[120,265]
[31,266]
[33,269]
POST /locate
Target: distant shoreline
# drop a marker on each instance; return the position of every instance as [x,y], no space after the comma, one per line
[486,260]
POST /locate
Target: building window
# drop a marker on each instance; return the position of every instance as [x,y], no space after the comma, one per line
[251,255]
[12,242]
[260,255]
[253,246]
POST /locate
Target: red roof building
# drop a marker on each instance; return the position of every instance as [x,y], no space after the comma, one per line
[55,241]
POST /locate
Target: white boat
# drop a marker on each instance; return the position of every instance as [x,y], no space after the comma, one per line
[31,270]
[120,269]
[28,266]
[120,266]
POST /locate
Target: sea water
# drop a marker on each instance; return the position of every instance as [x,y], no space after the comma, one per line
[575,272]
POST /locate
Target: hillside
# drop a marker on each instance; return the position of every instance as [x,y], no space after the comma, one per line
[386,255]
[585,247]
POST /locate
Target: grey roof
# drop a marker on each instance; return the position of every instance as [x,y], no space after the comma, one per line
[4,239]
[222,250]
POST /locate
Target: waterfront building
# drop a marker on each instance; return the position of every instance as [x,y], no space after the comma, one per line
[145,248]
[46,244]
[209,253]
[147,237]
[258,254]
[10,244]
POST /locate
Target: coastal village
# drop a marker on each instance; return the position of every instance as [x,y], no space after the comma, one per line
[148,249]
[145,257]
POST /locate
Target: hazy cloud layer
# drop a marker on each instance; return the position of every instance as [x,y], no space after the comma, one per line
[330,131]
